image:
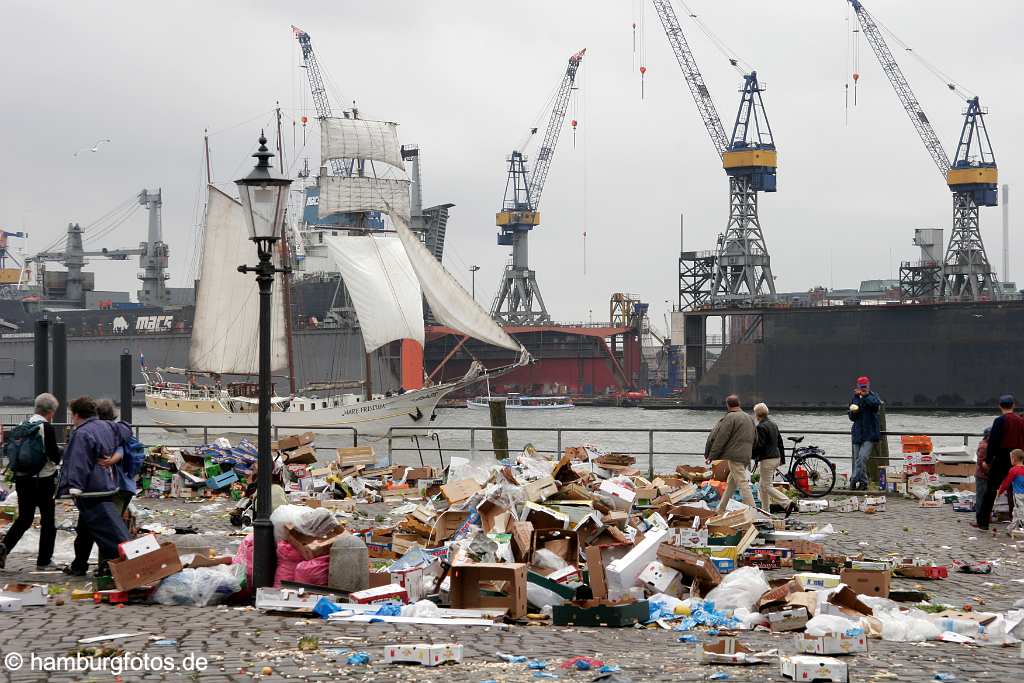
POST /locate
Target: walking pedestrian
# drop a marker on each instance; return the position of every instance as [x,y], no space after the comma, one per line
[732,440]
[1006,435]
[865,432]
[768,453]
[35,476]
[1015,479]
[981,471]
[124,469]
[92,483]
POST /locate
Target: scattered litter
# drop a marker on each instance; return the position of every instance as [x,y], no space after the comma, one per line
[358,659]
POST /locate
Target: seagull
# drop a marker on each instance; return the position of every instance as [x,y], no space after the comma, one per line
[94,148]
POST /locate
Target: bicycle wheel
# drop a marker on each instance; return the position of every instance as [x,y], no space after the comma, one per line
[813,476]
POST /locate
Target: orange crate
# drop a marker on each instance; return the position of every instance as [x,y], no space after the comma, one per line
[916,444]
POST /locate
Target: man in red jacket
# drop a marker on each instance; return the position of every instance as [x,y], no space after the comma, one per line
[1007,434]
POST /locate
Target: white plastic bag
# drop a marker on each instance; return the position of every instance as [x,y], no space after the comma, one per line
[201,586]
[749,619]
[546,559]
[907,627]
[461,468]
[741,588]
[541,597]
[829,625]
[424,609]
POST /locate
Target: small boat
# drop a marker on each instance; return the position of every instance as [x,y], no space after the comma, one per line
[515,401]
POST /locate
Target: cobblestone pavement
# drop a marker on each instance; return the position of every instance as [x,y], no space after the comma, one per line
[239,642]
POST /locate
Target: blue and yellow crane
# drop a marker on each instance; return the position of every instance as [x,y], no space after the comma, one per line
[740,271]
[972,177]
[518,301]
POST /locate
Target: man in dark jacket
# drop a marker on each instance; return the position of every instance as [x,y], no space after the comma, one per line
[865,432]
[1007,434]
[36,490]
[92,483]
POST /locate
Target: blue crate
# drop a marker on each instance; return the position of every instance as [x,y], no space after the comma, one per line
[222,481]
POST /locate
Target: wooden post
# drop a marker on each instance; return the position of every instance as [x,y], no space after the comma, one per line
[880,453]
[499,437]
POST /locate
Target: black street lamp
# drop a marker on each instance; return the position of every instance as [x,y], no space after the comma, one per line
[264,194]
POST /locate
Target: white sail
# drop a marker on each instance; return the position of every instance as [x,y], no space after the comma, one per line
[383,287]
[449,302]
[225,331]
[342,138]
[355,193]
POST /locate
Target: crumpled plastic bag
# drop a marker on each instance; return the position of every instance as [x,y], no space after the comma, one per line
[546,559]
[749,619]
[424,609]
[706,613]
[199,587]
[243,557]
[832,625]
[741,588]
[288,558]
[314,572]
[907,627]
[307,520]
[541,597]
[462,468]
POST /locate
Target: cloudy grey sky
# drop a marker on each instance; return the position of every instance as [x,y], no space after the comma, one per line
[466,79]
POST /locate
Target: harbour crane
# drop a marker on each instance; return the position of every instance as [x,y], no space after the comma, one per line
[73,258]
[972,177]
[316,86]
[741,269]
[519,301]
[9,276]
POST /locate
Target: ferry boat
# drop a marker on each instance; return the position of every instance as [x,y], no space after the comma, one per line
[515,401]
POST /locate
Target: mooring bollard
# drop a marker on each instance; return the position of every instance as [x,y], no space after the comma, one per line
[499,431]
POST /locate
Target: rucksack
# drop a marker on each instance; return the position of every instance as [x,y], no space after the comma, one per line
[134,456]
[25,449]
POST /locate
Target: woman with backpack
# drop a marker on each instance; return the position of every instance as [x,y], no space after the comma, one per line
[33,455]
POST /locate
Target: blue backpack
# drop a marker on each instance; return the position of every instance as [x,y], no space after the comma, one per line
[25,450]
[134,456]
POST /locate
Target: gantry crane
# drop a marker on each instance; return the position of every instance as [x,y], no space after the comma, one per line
[972,177]
[518,301]
[73,258]
[741,269]
[9,276]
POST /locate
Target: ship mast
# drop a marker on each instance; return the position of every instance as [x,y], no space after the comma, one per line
[286,280]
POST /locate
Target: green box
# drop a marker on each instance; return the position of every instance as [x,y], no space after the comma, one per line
[601,615]
[566,592]
[212,469]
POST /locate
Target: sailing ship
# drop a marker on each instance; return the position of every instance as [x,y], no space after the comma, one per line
[388,275]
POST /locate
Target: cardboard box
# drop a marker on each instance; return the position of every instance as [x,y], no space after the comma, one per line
[925,572]
[600,613]
[766,557]
[147,569]
[222,481]
[466,580]
[694,565]
[688,538]
[303,455]
[814,668]
[458,491]
[543,517]
[598,557]
[563,543]
[310,546]
[412,581]
[138,546]
[355,456]
[788,619]
[738,520]
[423,653]
[815,581]
[10,604]
[813,505]
[867,582]
[621,497]
[801,547]
[287,443]
[657,578]
[540,489]
[623,572]
[728,650]
[372,596]
[840,644]
[963,469]
[494,519]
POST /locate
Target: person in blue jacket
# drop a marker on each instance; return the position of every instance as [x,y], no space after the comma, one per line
[90,482]
[865,432]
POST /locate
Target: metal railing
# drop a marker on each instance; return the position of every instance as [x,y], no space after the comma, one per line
[649,433]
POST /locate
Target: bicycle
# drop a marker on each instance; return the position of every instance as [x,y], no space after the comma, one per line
[811,473]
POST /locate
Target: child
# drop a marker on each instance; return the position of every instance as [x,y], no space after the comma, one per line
[1015,478]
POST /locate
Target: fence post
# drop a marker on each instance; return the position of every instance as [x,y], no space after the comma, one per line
[880,453]
[499,433]
[650,454]
[389,445]
[558,452]
[472,442]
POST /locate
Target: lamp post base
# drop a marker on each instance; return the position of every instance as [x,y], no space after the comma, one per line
[264,556]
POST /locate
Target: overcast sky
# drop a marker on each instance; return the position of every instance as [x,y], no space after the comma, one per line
[466,79]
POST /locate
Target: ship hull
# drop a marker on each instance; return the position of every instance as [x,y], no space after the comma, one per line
[938,356]
[409,414]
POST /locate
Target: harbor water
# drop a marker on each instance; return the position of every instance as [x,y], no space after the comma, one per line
[580,427]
